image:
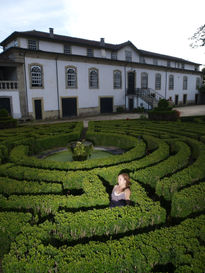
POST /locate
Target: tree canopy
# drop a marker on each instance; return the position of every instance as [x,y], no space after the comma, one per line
[199,37]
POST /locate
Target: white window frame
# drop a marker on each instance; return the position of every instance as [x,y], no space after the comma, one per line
[171,82]
[117,79]
[36,72]
[114,55]
[93,78]
[67,49]
[71,78]
[144,80]
[32,44]
[128,55]
[185,83]
[158,79]
[90,52]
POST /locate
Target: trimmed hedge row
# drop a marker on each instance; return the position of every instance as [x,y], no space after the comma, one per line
[3,153]
[69,226]
[152,174]
[11,186]
[55,136]
[19,156]
[10,226]
[188,201]
[94,195]
[169,185]
[110,174]
[179,245]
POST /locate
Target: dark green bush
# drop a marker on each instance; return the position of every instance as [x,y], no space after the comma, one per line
[172,115]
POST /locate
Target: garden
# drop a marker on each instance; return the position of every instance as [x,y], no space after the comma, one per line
[55,215]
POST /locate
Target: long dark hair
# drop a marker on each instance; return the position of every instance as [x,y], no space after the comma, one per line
[127,179]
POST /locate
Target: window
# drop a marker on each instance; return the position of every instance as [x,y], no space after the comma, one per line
[182,65]
[114,55]
[93,78]
[36,76]
[128,56]
[144,80]
[90,52]
[67,49]
[158,81]
[185,83]
[171,82]
[117,79]
[155,61]
[32,44]
[198,82]
[168,63]
[71,77]
[142,60]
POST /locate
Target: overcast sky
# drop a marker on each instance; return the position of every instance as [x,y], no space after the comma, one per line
[161,26]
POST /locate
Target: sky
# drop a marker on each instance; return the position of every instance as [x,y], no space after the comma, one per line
[161,26]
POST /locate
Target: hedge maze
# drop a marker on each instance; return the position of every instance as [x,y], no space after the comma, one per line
[55,217]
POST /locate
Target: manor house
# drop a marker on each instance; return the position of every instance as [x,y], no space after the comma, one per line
[44,75]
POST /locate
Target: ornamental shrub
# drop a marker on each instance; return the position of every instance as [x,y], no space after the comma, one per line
[6,121]
[164,112]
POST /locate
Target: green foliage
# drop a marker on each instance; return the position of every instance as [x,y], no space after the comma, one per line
[76,231]
[3,113]
[81,151]
[163,105]
[188,201]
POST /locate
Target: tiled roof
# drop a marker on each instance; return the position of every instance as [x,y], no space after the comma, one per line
[84,42]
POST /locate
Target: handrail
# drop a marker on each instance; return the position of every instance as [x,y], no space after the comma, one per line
[149,95]
[7,85]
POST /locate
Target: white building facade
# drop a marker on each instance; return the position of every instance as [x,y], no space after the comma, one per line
[44,75]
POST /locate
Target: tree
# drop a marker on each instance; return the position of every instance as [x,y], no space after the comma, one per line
[199,37]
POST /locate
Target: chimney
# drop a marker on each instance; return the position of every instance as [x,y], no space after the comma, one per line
[51,32]
[102,41]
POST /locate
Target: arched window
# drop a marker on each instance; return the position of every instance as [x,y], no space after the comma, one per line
[171,82]
[71,77]
[144,80]
[158,81]
[117,79]
[185,83]
[36,76]
[93,78]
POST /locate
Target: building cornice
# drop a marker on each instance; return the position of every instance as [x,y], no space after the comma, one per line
[20,52]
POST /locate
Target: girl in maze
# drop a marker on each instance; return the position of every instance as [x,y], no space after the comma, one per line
[121,192]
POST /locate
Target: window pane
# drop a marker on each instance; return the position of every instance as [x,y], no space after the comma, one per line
[71,76]
[67,49]
[158,82]
[36,76]
[90,52]
[128,56]
[117,79]
[93,79]
[144,80]
[32,44]
[171,82]
[184,83]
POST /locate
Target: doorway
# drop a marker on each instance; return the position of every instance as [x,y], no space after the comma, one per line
[106,105]
[69,107]
[131,104]
[176,99]
[131,82]
[5,103]
[38,109]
